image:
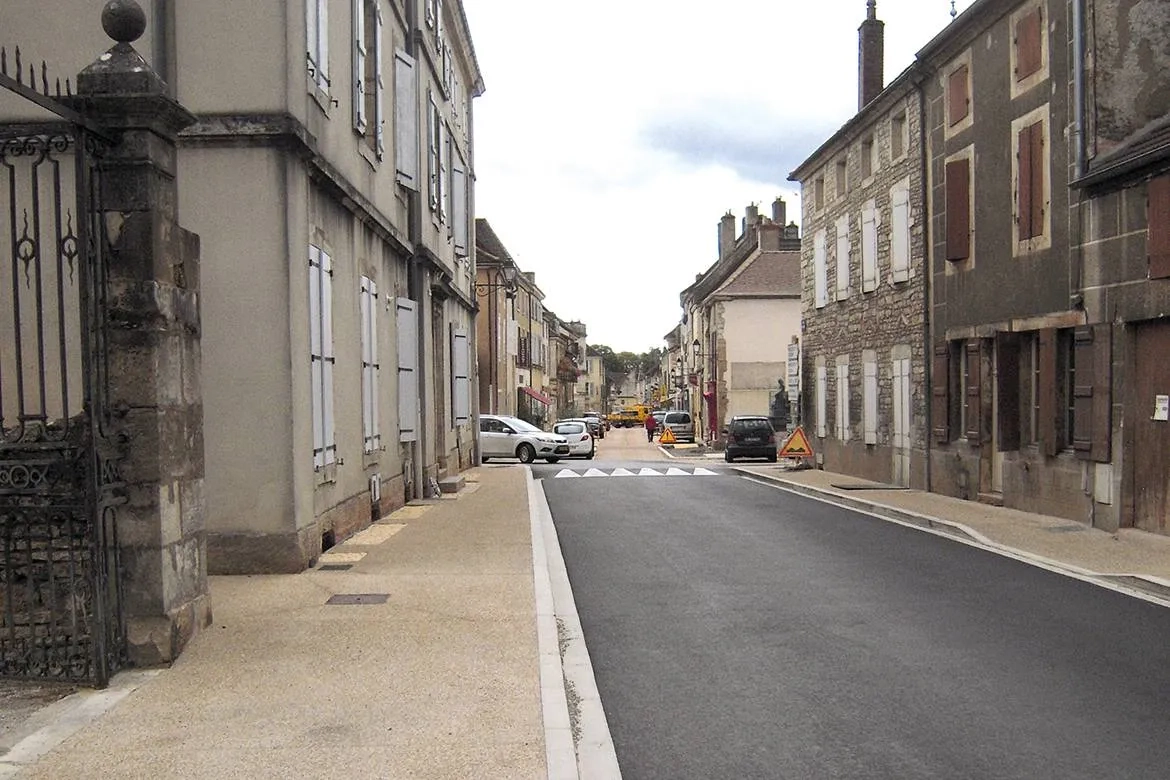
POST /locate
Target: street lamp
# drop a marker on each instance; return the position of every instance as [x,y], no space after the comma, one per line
[499,277]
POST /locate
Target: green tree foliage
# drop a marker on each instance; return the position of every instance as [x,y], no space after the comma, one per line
[619,365]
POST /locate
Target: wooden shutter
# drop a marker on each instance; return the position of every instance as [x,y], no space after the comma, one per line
[870,410]
[358,14]
[843,250]
[369,398]
[900,234]
[461,377]
[958,101]
[444,171]
[958,176]
[316,360]
[822,401]
[1092,397]
[1158,220]
[328,359]
[1037,161]
[459,202]
[1047,426]
[869,270]
[407,319]
[1007,388]
[1024,183]
[940,383]
[379,86]
[972,354]
[820,270]
[405,121]
[1028,31]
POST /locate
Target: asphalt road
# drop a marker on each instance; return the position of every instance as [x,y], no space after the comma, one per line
[739,631]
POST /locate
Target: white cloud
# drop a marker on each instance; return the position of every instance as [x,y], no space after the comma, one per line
[614,134]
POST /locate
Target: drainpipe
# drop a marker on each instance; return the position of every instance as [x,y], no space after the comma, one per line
[416,286]
[1078,138]
[928,288]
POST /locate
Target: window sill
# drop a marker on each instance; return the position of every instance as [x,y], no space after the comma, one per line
[320,95]
[324,475]
[368,154]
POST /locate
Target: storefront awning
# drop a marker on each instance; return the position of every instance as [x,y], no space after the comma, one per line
[528,391]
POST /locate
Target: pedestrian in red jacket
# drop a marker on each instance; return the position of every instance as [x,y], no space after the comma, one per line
[651,424]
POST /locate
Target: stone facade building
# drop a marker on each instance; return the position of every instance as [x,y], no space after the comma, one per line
[865,281]
[740,316]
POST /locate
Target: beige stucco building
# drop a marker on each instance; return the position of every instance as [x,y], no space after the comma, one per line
[330,179]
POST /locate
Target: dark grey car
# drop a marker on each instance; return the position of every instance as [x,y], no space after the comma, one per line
[750,436]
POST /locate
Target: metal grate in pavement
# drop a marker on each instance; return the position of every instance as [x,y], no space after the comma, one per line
[335,567]
[357,598]
[1065,529]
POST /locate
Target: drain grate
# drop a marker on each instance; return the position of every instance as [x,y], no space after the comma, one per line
[358,598]
[335,567]
[1065,529]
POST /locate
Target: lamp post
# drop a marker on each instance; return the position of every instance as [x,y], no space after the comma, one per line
[499,277]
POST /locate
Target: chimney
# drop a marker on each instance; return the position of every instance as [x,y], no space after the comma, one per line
[778,211]
[751,217]
[726,234]
[870,56]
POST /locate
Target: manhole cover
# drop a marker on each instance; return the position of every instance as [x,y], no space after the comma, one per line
[335,567]
[358,598]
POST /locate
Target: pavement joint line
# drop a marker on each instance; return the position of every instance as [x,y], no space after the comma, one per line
[911,519]
[591,753]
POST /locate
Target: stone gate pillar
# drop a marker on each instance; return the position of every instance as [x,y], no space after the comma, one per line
[153,344]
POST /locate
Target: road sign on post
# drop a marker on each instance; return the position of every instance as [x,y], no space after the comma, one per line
[796,445]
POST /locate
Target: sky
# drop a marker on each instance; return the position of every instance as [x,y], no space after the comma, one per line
[613,134]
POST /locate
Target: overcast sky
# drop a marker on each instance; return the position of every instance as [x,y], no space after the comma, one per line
[613,134]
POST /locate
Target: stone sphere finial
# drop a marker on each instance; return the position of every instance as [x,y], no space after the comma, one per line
[123,20]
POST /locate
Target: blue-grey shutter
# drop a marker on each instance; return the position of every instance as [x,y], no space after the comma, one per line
[357,11]
[407,319]
[459,202]
[461,379]
[405,120]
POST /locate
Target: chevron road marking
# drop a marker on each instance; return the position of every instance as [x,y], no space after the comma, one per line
[566,473]
[672,471]
[595,473]
[620,472]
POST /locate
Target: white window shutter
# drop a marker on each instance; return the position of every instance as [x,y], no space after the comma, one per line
[869,270]
[459,201]
[379,86]
[357,8]
[405,120]
[820,270]
[444,170]
[843,401]
[461,379]
[316,363]
[900,234]
[433,152]
[407,320]
[871,402]
[323,42]
[822,400]
[328,357]
[842,258]
[368,401]
[376,370]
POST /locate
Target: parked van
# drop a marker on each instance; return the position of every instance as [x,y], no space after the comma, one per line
[681,425]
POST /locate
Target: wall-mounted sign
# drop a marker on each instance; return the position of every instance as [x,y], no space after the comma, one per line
[1162,407]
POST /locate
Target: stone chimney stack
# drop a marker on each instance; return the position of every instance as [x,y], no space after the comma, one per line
[870,56]
[726,234]
[751,217]
[779,211]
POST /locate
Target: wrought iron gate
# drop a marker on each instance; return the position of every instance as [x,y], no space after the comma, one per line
[60,590]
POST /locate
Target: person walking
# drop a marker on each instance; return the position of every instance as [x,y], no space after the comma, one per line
[651,424]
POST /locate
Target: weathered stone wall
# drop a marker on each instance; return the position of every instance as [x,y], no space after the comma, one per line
[1129,70]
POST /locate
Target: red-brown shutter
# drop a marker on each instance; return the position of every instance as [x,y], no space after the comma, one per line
[1092,421]
[1158,220]
[957,98]
[1036,170]
[1047,424]
[974,432]
[940,382]
[1007,380]
[1024,183]
[958,175]
[1028,45]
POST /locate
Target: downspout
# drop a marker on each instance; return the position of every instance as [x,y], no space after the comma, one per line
[928,287]
[416,289]
[1078,141]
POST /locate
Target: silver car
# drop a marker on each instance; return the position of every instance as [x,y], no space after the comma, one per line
[681,425]
[580,437]
[502,436]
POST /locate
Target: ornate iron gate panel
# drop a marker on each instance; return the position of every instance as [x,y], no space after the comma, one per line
[60,597]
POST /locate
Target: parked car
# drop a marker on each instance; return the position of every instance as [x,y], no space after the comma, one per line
[658,415]
[580,438]
[599,423]
[503,436]
[681,425]
[750,436]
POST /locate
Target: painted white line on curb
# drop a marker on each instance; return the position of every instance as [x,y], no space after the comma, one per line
[977,539]
[595,758]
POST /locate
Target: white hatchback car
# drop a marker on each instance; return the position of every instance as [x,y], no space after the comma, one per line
[502,436]
[579,436]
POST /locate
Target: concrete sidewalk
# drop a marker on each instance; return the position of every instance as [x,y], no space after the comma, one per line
[434,673]
[1133,561]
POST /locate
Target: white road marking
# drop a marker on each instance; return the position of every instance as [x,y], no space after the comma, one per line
[595,473]
[620,472]
[702,472]
[647,472]
[566,473]
[677,472]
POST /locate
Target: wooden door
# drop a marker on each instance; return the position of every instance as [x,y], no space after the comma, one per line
[1151,458]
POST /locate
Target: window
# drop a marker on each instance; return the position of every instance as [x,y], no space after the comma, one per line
[321,359]
[1028,44]
[843,401]
[434,144]
[460,377]
[842,257]
[958,205]
[820,271]
[941,382]
[868,158]
[371,432]
[869,269]
[822,400]
[368,85]
[958,96]
[899,136]
[405,121]
[1068,370]
[900,233]
[459,202]
[1030,193]
[1158,220]
[870,392]
[842,176]
[819,193]
[317,33]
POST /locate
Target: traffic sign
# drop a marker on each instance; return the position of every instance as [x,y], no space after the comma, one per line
[796,445]
[667,436]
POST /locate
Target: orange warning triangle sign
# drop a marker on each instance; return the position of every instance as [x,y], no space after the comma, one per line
[796,445]
[667,436]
